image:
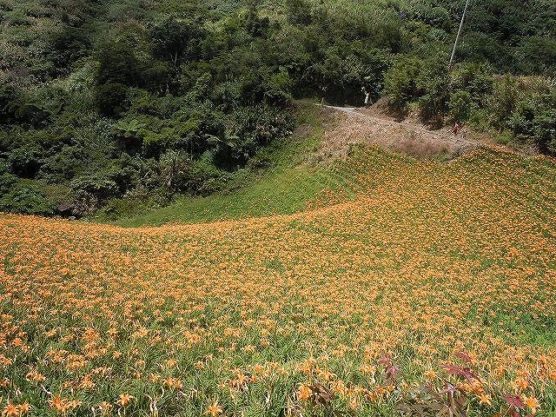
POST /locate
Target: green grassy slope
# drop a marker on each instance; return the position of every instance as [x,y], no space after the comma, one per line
[288,186]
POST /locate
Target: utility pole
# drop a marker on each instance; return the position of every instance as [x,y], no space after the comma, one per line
[459,34]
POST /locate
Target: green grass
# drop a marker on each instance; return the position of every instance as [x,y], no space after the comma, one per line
[524,328]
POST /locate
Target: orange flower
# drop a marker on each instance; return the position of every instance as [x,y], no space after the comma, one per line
[532,403]
[105,408]
[214,410]
[304,393]
[521,384]
[35,376]
[11,410]
[173,383]
[124,400]
[415,263]
[24,408]
[484,399]
[58,404]
[430,375]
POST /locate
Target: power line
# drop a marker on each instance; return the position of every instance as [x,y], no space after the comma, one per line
[459,33]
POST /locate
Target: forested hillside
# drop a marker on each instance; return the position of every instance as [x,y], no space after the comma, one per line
[144,100]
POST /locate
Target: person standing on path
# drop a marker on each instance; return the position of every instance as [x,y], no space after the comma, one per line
[456,128]
[367,93]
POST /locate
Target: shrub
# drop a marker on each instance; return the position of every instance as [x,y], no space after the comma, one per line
[534,119]
[278,88]
[101,186]
[255,25]
[433,84]
[67,46]
[111,99]
[298,12]
[26,199]
[400,82]
[31,113]
[91,190]
[7,181]
[9,97]
[503,101]
[206,178]
[63,165]
[25,161]
[474,78]
[460,105]
[117,64]
[434,16]
[545,130]
[175,170]
[176,41]
[253,128]
[537,55]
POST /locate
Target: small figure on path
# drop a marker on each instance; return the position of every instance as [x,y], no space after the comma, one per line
[367,93]
[456,128]
[323,89]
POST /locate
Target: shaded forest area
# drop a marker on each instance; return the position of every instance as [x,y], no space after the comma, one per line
[143,100]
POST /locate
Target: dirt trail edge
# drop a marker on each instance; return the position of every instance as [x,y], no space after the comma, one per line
[364,126]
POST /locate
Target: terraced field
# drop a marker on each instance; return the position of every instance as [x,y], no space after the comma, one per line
[429,288]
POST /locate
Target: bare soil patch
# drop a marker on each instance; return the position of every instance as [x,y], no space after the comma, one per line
[351,126]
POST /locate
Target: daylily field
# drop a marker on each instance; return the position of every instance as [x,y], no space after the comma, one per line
[432,292]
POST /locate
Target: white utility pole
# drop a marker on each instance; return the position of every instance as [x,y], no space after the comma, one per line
[459,33]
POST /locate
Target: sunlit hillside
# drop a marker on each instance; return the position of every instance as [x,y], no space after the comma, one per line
[431,288]
[277,208]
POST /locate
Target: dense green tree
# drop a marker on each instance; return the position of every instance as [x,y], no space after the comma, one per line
[255,25]
[25,161]
[299,12]
[9,97]
[111,99]
[68,45]
[534,119]
[536,55]
[475,79]
[460,105]
[175,169]
[433,85]
[400,82]
[177,40]
[503,101]
[117,65]
[28,200]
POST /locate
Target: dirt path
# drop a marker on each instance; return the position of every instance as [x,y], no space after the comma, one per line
[360,126]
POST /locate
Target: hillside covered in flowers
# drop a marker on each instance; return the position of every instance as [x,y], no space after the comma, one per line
[432,292]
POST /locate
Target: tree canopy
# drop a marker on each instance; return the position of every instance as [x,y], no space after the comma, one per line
[124,89]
